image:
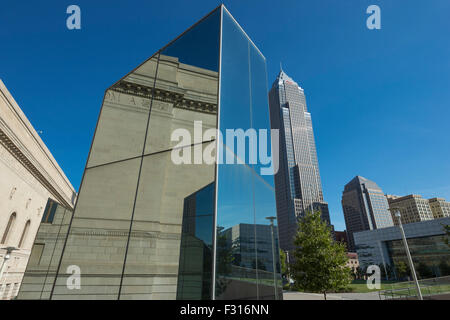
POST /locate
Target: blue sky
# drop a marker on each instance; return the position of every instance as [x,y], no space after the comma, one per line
[379,98]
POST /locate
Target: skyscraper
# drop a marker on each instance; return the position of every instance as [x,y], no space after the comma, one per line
[365,208]
[298,184]
[148,227]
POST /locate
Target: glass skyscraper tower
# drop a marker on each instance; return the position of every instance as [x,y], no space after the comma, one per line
[365,208]
[148,227]
[298,184]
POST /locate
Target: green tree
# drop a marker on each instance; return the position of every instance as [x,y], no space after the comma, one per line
[402,269]
[319,262]
[284,266]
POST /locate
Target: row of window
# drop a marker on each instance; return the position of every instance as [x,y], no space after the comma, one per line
[9,227]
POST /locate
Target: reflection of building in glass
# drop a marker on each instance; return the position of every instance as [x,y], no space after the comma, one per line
[196,254]
[365,208]
[298,184]
[144,226]
[30,178]
[46,254]
[243,245]
[425,240]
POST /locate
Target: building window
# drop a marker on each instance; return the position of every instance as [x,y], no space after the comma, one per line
[49,212]
[9,226]
[24,233]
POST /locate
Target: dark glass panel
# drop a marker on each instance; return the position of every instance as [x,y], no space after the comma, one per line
[195,271]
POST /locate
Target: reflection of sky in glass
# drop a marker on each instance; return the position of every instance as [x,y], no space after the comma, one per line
[200,45]
[244,195]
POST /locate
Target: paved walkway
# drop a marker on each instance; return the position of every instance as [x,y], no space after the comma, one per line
[289,295]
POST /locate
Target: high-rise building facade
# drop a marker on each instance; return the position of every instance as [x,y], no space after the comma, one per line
[298,184]
[413,208]
[439,207]
[365,208]
[153,208]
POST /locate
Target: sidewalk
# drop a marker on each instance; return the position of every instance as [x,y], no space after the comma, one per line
[289,295]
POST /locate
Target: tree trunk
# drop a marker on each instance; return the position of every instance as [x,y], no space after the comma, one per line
[325,295]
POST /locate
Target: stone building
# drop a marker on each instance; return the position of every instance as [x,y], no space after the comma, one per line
[146,224]
[439,207]
[413,208]
[29,177]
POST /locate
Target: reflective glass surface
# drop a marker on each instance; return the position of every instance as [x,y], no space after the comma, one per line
[245,198]
[152,211]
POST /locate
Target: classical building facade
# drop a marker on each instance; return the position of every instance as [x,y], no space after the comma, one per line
[153,201]
[365,208]
[29,177]
[413,208]
[298,183]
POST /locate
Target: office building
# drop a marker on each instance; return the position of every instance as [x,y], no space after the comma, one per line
[439,207]
[298,184]
[341,236]
[413,208]
[425,240]
[365,207]
[147,225]
[30,179]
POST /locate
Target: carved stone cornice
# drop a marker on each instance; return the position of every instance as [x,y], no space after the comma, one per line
[175,96]
[27,162]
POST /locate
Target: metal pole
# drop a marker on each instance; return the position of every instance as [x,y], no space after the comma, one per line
[408,254]
[273,258]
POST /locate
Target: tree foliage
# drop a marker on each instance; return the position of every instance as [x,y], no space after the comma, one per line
[402,269]
[319,262]
[283,261]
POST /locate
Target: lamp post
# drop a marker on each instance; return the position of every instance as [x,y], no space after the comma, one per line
[5,259]
[408,254]
[273,257]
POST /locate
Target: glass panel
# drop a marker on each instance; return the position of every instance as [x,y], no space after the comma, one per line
[186,87]
[235,267]
[265,207]
[152,263]
[244,265]
[99,231]
[264,188]
[195,272]
[123,119]
[185,97]
[45,256]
